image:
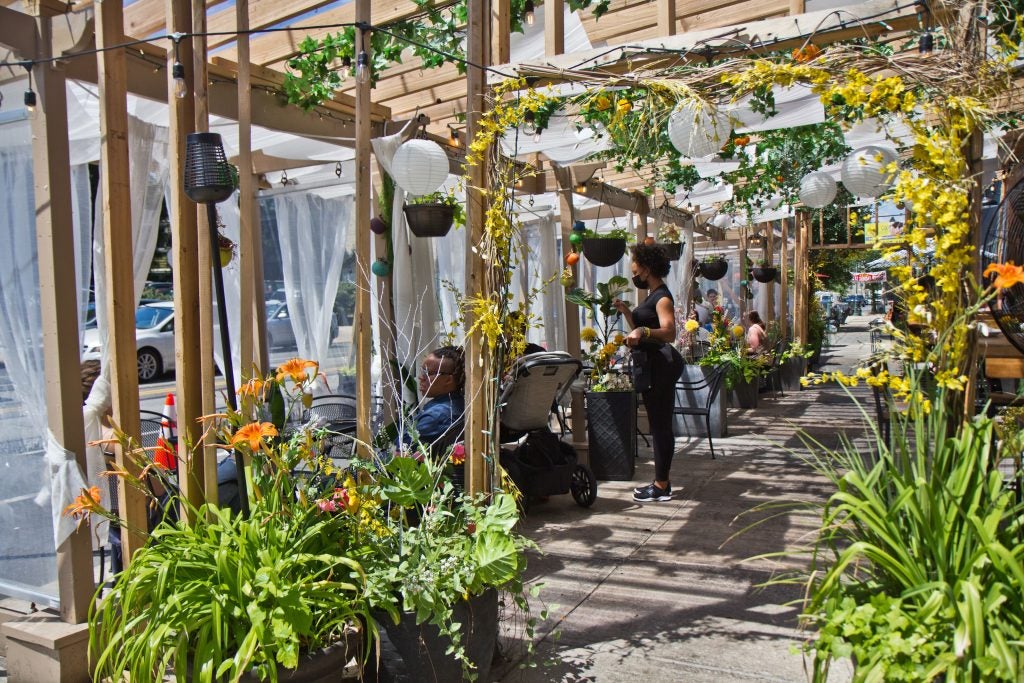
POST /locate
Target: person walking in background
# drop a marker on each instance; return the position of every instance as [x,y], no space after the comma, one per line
[707,308]
[755,332]
[653,331]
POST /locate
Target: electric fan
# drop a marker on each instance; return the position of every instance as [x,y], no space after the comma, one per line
[1003,227]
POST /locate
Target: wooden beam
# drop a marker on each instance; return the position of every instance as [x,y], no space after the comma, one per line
[262,13]
[501,30]
[117,230]
[188,361]
[18,32]
[58,307]
[363,332]
[784,286]
[248,217]
[143,18]
[666,17]
[477,355]
[554,27]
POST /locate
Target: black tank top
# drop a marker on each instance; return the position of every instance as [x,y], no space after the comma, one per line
[646,314]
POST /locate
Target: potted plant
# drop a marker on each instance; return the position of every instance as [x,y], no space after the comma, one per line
[793,364]
[226,249]
[605,249]
[671,241]
[726,347]
[432,215]
[713,267]
[764,271]
[611,402]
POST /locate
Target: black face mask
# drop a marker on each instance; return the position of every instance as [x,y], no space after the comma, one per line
[641,282]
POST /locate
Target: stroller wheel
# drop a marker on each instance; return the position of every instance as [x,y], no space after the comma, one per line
[583,486]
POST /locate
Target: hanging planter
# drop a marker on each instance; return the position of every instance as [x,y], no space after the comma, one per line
[226,249]
[673,250]
[604,251]
[429,220]
[764,273]
[714,268]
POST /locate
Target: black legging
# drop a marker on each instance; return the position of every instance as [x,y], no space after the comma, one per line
[659,401]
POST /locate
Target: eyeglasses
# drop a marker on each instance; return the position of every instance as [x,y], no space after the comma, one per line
[428,375]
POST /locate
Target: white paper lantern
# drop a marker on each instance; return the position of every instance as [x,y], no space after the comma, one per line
[420,167]
[697,132]
[817,189]
[862,172]
[722,220]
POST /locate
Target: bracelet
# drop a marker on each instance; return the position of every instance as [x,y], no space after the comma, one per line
[646,332]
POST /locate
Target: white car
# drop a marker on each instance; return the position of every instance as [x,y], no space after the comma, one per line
[154,340]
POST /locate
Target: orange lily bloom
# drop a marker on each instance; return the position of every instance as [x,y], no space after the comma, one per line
[251,389]
[253,434]
[1006,274]
[85,502]
[296,369]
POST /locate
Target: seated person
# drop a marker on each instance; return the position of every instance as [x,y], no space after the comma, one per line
[441,379]
[756,333]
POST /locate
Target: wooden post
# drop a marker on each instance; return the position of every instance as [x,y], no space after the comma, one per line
[802,277]
[363,337]
[188,356]
[478,360]
[248,221]
[572,311]
[117,235]
[769,288]
[57,287]
[501,31]
[744,275]
[640,230]
[666,17]
[554,27]
[784,294]
[204,264]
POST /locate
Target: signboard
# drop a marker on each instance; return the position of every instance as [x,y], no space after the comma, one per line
[868,277]
[883,230]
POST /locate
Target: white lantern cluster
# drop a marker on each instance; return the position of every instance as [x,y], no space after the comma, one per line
[420,167]
[696,130]
[863,172]
[817,189]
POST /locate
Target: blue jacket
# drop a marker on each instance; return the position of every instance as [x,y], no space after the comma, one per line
[440,413]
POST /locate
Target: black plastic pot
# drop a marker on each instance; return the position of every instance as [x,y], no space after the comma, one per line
[604,251]
[764,273]
[714,269]
[674,250]
[745,394]
[429,220]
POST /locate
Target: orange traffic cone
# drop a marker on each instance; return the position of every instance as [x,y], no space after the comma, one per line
[164,455]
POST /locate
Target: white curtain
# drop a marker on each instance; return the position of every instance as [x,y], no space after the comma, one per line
[313,233]
[32,459]
[552,304]
[148,176]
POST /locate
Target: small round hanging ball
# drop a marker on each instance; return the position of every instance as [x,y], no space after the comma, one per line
[572,258]
[817,189]
[575,238]
[381,268]
[420,166]
[649,240]
[378,226]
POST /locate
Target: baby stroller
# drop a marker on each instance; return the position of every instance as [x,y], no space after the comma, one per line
[537,459]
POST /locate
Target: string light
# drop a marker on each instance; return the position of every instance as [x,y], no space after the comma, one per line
[529,122]
[530,18]
[30,95]
[363,67]
[178,71]
[926,43]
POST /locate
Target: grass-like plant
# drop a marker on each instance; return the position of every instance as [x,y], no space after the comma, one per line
[920,555]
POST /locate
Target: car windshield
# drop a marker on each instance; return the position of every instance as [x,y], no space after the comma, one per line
[148,317]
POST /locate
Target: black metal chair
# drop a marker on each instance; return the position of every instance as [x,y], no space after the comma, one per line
[337,413]
[711,384]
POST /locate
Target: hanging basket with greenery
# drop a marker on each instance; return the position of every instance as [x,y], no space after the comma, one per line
[764,273]
[714,268]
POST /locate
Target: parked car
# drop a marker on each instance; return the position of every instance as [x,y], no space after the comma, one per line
[154,340]
[279,326]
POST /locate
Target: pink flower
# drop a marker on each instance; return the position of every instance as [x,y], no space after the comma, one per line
[327,505]
[458,455]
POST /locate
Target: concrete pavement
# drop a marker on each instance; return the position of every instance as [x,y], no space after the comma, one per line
[676,591]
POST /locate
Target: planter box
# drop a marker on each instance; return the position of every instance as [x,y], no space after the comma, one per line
[423,647]
[694,424]
[791,371]
[764,274]
[611,434]
[744,394]
[604,251]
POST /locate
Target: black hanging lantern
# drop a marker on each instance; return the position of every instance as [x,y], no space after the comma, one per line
[208,176]
[209,179]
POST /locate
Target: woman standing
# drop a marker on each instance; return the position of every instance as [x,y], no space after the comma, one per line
[653,332]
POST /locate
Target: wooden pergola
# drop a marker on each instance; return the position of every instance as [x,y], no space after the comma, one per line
[239,82]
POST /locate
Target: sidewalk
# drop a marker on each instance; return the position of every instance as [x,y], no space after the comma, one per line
[669,591]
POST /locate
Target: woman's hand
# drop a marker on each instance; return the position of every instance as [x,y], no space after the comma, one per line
[621,306]
[634,337]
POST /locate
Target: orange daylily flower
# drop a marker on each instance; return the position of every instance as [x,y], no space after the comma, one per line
[251,389]
[253,434]
[296,369]
[85,502]
[1006,274]
[806,54]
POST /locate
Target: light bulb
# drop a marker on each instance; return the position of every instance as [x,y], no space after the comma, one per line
[363,67]
[529,123]
[530,18]
[926,43]
[180,86]
[536,136]
[30,100]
